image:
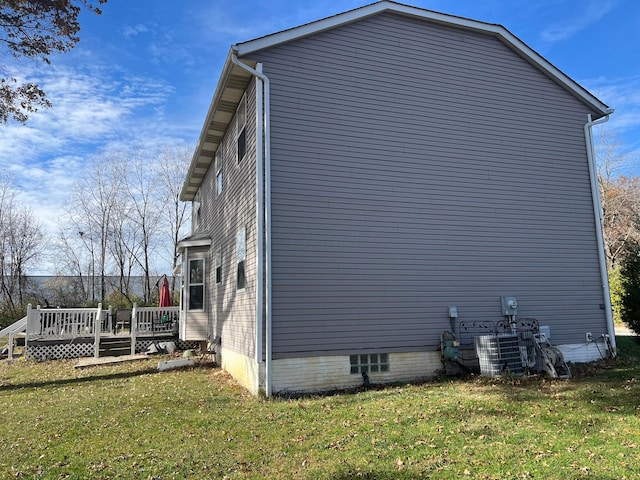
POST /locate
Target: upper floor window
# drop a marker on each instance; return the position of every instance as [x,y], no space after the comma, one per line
[218,166]
[195,214]
[218,266]
[241,253]
[241,121]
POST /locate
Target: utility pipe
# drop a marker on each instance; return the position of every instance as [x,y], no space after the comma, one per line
[266,210]
[597,210]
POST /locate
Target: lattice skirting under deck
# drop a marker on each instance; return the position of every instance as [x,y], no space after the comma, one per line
[76,349]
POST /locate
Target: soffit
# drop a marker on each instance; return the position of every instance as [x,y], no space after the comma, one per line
[231,86]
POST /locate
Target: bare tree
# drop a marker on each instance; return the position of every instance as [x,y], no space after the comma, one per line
[140,189]
[21,244]
[89,216]
[123,218]
[172,167]
[619,194]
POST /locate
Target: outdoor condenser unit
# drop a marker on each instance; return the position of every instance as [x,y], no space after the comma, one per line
[498,354]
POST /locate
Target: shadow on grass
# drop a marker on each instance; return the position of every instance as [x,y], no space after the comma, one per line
[611,386]
[77,381]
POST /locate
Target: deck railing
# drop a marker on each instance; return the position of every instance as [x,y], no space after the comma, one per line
[152,321]
[67,323]
[149,320]
[70,323]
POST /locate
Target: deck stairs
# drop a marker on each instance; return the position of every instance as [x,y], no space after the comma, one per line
[13,330]
[114,346]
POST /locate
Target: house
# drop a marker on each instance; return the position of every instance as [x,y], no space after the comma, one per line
[358,176]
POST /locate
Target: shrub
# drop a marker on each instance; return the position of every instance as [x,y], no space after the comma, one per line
[631,285]
[617,292]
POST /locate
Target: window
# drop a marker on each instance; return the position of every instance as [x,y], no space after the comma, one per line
[241,120]
[219,266]
[218,165]
[196,284]
[369,362]
[241,252]
[195,215]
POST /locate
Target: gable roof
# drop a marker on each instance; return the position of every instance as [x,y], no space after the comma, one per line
[234,80]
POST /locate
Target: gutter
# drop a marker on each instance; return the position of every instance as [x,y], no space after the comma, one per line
[598,213]
[262,209]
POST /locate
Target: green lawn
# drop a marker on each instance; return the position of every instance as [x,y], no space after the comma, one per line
[130,421]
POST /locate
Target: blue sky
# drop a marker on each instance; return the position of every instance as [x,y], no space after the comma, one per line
[145,71]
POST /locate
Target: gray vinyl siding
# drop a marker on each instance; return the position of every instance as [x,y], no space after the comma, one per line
[416,166]
[232,312]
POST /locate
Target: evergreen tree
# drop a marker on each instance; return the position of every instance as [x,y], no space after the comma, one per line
[631,287]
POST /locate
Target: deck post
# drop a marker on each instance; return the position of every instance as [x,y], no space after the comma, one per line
[133,328]
[97,326]
[29,327]
[110,320]
[10,358]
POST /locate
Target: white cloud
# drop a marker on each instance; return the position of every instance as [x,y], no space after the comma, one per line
[87,109]
[93,111]
[594,10]
[622,94]
[133,30]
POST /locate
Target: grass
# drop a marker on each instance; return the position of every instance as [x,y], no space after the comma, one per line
[130,421]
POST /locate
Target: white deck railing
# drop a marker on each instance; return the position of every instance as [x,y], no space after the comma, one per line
[67,323]
[70,323]
[12,331]
[150,320]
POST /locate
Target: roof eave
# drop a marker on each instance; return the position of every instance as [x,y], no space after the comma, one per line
[228,93]
[229,90]
[499,31]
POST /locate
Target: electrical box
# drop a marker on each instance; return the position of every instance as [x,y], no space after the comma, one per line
[509,305]
[453,312]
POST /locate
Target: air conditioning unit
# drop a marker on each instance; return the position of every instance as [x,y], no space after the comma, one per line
[499,354]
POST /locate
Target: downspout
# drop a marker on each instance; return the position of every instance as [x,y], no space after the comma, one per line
[597,210]
[266,209]
[259,216]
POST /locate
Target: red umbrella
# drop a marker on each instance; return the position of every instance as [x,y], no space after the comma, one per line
[165,294]
[165,299]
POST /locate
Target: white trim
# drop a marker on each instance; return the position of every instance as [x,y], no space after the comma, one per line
[184,244]
[266,86]
[199,284]
[200,162]
[260,122]
[246,48]
[598,214]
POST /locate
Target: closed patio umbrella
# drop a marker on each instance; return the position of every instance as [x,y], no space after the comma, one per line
[165,300]
[165,294]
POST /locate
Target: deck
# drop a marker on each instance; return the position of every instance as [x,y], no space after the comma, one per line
[55,333]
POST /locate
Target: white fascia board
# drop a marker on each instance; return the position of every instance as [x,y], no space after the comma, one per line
[202,242]
[269,41]
[192,182]
[187,193]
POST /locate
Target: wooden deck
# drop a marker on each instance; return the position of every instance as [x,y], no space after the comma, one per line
[53,333]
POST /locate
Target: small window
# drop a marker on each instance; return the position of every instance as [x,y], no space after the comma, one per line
[219,266]
[241,251]
[369,363]
[196,284]
[195,215]
[241,120]
[218,165]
